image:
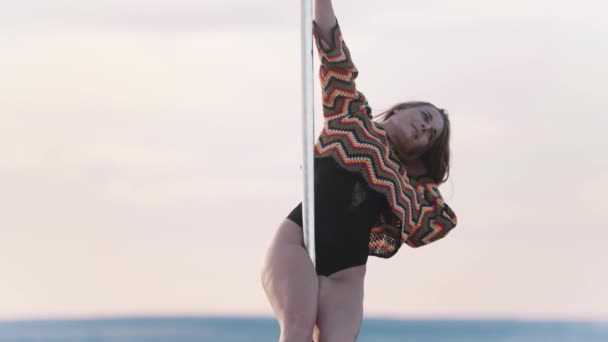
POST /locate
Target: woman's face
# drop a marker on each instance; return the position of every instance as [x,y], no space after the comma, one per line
[411,131]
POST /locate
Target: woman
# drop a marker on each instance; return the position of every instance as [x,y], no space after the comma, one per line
[375,189]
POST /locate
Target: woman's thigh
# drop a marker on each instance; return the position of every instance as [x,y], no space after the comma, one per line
[340,305]
[290,282]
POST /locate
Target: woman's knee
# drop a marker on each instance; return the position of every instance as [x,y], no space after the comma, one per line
[297,325]
[344,330]
[337,336]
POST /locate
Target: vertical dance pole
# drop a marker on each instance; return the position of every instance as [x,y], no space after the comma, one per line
[308,129]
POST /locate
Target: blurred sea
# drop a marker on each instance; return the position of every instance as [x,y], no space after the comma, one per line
[225,329]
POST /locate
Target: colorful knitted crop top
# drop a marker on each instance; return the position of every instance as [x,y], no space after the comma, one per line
[417,214]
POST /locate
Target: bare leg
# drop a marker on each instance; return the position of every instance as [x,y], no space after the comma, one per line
[340,308]
[291,283]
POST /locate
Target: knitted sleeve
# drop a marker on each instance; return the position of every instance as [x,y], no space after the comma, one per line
[435,218]
[338,74]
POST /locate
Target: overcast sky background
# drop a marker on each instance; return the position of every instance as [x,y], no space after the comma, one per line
[150,149]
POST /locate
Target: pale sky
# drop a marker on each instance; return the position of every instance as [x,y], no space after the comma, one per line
[149,151]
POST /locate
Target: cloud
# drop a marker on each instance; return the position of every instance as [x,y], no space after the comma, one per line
[172,143]
[138,14]
[33,15]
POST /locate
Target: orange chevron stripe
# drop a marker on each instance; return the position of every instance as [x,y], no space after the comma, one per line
[417,213]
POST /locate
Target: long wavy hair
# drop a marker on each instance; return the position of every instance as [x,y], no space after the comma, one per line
[437,156]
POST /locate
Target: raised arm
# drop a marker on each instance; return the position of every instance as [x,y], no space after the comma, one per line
[325,17]
[337,72]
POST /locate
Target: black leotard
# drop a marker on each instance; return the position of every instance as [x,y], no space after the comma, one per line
[345,210]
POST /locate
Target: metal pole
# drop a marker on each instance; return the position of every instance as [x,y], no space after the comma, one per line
[308,129]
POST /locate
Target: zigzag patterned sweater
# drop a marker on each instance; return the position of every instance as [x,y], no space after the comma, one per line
[417,214]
